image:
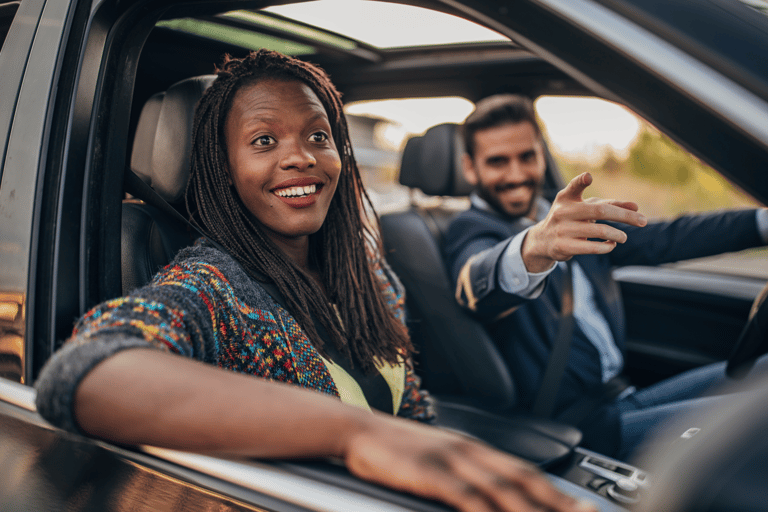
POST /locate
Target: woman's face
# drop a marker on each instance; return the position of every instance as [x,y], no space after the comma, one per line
[282,159]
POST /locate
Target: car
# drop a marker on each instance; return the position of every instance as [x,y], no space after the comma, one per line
[76,74]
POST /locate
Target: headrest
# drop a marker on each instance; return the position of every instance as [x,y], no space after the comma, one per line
[163,140]
[432,162]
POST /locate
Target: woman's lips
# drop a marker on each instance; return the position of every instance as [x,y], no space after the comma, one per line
[298,193]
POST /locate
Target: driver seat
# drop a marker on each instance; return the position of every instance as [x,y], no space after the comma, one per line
[457,356]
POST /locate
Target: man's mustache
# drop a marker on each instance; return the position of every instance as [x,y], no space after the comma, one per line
[511,186]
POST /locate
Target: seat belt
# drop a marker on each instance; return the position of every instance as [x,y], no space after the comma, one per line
[374,387]
[544,403]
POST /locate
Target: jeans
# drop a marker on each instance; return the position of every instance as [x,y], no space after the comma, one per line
[692,393]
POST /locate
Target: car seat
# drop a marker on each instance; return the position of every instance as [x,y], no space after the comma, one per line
[457,356]
[161,158]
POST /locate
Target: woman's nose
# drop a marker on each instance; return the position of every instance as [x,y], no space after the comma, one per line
[297,156]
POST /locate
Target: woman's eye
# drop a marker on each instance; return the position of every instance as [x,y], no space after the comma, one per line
[264,140]
[318,137]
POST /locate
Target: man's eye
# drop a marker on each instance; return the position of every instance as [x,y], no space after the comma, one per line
[497,161]
[264,140]
[529,157]
[318,137]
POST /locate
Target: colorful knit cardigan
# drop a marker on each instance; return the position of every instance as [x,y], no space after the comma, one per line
[205,306]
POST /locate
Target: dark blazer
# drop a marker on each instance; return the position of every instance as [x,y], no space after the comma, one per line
[524,330]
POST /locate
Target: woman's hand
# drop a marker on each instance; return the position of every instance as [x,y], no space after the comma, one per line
[451,468]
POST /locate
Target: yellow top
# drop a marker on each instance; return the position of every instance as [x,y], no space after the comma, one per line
[351,393]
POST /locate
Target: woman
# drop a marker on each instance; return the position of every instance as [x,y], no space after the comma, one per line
[283,205]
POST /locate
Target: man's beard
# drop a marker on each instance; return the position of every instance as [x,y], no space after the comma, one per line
[493,198]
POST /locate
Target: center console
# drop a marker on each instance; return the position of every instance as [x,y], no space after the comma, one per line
[552,446]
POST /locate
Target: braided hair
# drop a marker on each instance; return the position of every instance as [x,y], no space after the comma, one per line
[365,330]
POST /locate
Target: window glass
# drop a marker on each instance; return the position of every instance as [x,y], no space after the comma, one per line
[631,160]
[759,5]
[379,131]
[241,37]
[387,25]
[628,158]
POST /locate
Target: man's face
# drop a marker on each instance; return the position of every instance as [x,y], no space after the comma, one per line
[508,167]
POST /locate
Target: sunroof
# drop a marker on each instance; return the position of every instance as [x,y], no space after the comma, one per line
[387,25]
[239,36]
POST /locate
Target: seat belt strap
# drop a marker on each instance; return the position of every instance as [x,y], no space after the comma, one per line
[544,403]
[603,394]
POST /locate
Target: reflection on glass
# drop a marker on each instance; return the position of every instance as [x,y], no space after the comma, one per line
[12,336]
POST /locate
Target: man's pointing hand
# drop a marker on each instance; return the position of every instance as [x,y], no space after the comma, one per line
[571,222]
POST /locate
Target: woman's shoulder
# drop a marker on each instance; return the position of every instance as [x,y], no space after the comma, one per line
[216,268]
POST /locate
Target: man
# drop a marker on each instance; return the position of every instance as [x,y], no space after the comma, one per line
[506,256]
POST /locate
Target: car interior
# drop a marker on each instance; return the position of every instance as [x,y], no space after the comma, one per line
[476,390]
[158,64]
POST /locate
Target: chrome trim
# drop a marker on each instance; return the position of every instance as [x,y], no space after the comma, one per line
[737,287]
[276,483]
[733,102]
[18,394]
[636,476]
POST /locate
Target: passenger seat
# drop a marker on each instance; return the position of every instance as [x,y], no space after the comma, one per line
[161,158]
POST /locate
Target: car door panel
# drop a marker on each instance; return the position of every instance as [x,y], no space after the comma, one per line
[677,319]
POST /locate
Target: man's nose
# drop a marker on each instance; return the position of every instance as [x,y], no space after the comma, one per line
[296,155]
[516,170]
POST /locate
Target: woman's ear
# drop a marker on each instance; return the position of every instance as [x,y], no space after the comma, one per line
[470,173]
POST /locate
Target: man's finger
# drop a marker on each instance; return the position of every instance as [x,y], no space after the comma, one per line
[575,188]
[627,205]
[608,212]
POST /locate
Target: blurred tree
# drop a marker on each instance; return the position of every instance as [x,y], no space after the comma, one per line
[655,157]
[659,175]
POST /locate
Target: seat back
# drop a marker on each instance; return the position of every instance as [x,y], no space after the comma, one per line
[161,158]
[457,356]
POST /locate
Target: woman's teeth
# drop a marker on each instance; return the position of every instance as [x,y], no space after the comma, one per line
[297,191]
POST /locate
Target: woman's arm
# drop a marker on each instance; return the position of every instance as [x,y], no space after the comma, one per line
[145,396]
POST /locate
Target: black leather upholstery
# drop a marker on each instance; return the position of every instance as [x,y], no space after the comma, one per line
[432,163]
[458,361]
[457,355]
[163,140]
[161,158]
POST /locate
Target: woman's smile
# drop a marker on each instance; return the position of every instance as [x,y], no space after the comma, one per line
[298,192]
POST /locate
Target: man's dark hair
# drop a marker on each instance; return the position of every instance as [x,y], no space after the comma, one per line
[495,111]
[342,250]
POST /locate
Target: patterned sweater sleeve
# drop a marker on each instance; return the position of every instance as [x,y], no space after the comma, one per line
[176,312]
[417,404]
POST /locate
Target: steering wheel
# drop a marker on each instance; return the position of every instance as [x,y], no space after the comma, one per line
[753,341]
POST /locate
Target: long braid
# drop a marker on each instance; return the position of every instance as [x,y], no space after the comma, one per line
[342,248]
